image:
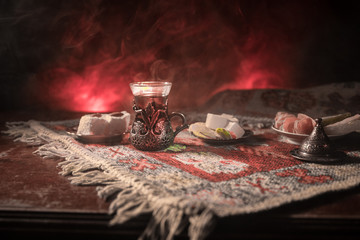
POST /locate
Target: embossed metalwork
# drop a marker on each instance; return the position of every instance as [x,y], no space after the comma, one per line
[152,128]
[317,147]
[318,142]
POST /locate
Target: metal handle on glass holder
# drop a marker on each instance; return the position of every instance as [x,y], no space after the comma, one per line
[181,127]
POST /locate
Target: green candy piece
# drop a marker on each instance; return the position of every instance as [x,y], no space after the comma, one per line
[176,148]
[223,133]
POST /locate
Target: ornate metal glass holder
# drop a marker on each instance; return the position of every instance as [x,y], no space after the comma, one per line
[151,129]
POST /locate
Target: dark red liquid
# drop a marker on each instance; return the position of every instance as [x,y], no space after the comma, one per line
[151,103]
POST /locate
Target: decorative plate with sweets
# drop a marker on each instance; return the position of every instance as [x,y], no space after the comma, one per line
[212,141]
[294,138]
[216,137]
[296,128]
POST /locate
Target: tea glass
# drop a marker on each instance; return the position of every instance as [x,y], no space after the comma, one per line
[151,129]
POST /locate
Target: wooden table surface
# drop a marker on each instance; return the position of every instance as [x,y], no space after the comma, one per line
[35,201]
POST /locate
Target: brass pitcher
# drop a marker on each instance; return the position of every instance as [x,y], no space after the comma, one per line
[151,129]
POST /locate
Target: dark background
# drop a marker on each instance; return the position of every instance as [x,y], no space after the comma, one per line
[201,46]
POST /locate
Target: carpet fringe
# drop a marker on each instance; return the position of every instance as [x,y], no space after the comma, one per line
[133,196]
[201,225]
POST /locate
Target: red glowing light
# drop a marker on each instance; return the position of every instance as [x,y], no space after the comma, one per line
[201,48]
[94,90]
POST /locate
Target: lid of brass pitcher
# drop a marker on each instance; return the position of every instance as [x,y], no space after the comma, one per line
[317,147]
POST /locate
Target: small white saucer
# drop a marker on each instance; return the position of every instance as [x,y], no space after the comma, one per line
[296,138]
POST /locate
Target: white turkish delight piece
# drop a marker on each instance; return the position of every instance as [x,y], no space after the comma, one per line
[230,117]
[104,124]
[119,122]
[214,121]
[234,127]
